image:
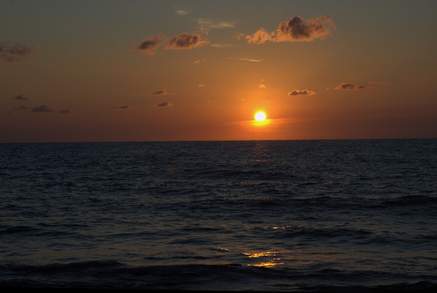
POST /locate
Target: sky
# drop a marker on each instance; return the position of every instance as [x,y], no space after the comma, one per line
[152,70]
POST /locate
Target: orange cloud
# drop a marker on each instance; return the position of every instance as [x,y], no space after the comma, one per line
[296,29]
[261,36]
[304,92]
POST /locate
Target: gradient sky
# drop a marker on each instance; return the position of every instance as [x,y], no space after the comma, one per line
[88,71]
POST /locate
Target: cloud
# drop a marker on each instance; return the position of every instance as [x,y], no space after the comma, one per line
[349,86]
[123,107]
[64,111]
[250,60]
[42,109]
[201,85]
[262,84]
[186,41]
[160,93]
[261,36]
[198,61]
[303,92]
[20,98]
[150,45]
[164,105]
[219,46]
[182,12]
[296,29]
[207,24]
[13,52]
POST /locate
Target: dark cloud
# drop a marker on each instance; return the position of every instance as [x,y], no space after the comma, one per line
[20,98]
[160,93]
[345,86]
[304,92]
[186,41]
[164,105]
[13,52]
[150,45]
[42,109]
[296,29]
[124,107]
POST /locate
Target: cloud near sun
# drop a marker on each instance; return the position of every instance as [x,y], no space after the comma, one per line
[304,92]
[296,29]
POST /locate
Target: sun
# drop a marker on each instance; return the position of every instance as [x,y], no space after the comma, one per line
[260,118]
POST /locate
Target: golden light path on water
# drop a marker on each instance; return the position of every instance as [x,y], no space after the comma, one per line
[268,258]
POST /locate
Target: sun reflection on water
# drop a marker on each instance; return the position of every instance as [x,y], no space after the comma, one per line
[268,258]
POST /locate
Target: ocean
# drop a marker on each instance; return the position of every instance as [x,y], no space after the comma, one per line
[255,215]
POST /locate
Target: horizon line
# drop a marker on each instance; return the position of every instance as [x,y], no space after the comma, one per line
[219,140]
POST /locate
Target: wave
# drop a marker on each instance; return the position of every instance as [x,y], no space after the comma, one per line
[30,230]
[114,274]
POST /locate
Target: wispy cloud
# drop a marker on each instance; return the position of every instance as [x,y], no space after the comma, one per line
[262,84]
[186,41]
[182,12]
[162,92]
[296,29]
[164,105]
[20,98]
[219,46]
[249,60]
[11,52]
[303,92]
[206,24]
[198,61]
[42,109]
[346,86]
[150,45]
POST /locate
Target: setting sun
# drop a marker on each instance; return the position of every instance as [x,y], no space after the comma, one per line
[260,118]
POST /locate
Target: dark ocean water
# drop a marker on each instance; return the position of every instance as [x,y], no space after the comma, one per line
[219,215]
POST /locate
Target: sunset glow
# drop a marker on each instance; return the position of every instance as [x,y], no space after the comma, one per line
[177,71]
[262,145]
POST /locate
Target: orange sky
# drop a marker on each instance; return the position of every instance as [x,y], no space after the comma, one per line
[184,70]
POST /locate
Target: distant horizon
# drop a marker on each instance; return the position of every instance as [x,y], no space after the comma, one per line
[223,140]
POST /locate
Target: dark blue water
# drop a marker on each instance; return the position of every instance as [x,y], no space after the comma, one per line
[219,215]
